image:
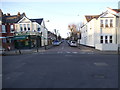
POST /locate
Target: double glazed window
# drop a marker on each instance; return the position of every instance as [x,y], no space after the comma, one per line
[106,39]
[101,39]
[3,29]
[38,28]
[12,28]
[101,23]
[28,26]
[111,23]
[106,23]
[110,39]
[25,27]
[21,28]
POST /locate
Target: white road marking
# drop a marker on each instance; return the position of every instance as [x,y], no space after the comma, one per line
[68,52]
[74,52]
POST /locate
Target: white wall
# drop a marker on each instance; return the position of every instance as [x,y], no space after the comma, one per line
[94,32]
[107,47]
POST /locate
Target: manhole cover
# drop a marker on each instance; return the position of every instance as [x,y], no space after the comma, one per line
[101,64]
[99,76]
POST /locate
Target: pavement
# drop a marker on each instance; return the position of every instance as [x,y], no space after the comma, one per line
[26,51]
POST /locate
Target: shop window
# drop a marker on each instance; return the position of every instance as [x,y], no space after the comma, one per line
[106,39]
[101,39]
[110,39]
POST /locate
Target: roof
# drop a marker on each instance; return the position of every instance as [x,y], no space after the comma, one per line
[39,21]
[12,18]
[90,17]
[116,10]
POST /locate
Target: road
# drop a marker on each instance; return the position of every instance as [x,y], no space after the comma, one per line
[61,67]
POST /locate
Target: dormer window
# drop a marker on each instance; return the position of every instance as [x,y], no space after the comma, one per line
[106,23]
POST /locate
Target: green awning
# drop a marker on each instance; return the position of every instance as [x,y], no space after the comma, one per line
[23,37]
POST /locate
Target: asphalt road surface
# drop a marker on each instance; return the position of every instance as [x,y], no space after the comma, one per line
[60,67]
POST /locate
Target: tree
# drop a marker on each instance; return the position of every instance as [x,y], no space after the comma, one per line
[73,30]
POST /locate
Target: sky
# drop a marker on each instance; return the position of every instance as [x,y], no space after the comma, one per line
[60,13]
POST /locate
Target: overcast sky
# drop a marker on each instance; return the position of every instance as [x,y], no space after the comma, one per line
[59,12]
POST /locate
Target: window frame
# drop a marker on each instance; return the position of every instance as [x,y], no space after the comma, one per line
[3,28]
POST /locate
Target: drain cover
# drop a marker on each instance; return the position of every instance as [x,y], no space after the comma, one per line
[99,76]
[101,64]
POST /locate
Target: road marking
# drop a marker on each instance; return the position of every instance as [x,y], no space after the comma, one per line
[74,52]
[59,52]
[68,52]
[62,48]
[68,55]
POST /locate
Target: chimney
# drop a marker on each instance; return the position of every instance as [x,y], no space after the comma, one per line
[1,13]
[18,14]
[24,14]
[8,14]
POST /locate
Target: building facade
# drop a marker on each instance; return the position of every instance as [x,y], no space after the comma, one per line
[33,30]
[101,31]
[7,28]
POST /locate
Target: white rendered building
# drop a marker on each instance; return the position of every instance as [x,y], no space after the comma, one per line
[102,31]
[33,27]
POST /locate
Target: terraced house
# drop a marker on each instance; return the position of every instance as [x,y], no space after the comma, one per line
[7,28]
[18,31]
[102,31]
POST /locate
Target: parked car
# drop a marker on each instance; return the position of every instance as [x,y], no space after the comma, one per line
[56,43]
[73,43]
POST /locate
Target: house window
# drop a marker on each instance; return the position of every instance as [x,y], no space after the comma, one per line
[21,28]
[38,28]
[101,39]
[110,39]
[25,27]
[12,28]
[106,23]
[3,29]
[101,23]
[111,23]
[28,26]
[16,27]
[106,39]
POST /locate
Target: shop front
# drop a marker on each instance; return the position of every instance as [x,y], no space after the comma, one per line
[27,41]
